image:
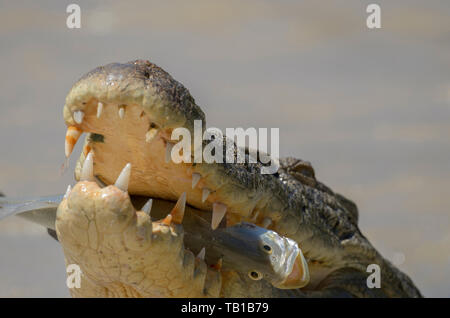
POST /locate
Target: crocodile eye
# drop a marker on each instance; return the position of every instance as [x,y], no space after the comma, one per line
[266,248]
[255,275]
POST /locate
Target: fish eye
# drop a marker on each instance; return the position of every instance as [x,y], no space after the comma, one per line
[267,249]
[255,275]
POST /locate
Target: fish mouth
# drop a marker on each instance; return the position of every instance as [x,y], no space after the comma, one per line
[298,276]
[128,112]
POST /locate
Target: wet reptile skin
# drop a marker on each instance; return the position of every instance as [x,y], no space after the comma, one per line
[322,222]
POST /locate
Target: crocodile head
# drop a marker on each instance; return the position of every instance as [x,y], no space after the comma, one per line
[129,112]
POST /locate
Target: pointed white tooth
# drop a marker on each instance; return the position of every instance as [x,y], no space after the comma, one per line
[151,134]
[68,148]
[72,135]
[78,116]
[255,216]
[124,178]
[205,194]
[178,210]
[147,206]
[167,220]
[69,188]
[219,210]
[202,254]
[266,222]
[195,179]
[87,172]
[99,109]
[64,166]
[169,147]
[121,112]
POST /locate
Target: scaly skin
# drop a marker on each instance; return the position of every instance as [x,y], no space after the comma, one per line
[120,250]
[323,223]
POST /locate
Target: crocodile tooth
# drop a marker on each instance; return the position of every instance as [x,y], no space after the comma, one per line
[201,254]
[219,210]
[78,116]
[87,172]
[69,188]
[195,179]
[255,216]
[72,135]
[121,112]
[124,178]
[167,220]
[149,135]
[218,265]
[205,194]
[266,222]
[169,147]
[178,210]
[86,149]
[99,109]
[147,206]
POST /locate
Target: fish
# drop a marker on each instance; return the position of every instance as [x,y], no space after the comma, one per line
[39,210]
[254,251]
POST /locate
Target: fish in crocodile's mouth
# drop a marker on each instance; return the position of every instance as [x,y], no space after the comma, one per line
[128,112]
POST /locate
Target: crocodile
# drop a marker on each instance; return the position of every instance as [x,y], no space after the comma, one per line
[129,112]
